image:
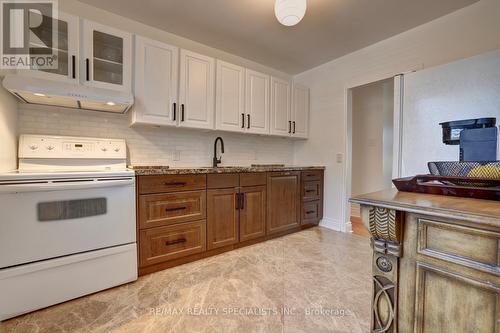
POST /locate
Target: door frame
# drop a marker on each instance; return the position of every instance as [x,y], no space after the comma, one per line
[397,139]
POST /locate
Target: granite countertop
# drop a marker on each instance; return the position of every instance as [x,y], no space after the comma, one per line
[165,170]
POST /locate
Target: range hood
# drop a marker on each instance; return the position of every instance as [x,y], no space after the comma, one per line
[40,91]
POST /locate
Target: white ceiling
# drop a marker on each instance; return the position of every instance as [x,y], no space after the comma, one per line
[248,28]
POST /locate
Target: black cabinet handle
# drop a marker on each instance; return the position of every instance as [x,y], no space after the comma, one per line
[310,212]
[175,184]
[237,201]
[175,111]
[182,112]
[242,198]
[177,241]
[294,127]
[73,66]
[289,127]
[87,65]
[309,191]
[174,209]
[242,120]
[248,125]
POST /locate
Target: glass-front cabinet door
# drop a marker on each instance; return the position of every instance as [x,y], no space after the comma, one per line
[107,57]
[65,48]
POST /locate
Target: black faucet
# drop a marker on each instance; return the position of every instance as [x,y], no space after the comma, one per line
[218,160]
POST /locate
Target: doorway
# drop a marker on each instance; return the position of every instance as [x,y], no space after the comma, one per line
[372,142]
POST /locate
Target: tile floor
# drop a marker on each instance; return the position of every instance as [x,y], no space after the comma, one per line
[316,280]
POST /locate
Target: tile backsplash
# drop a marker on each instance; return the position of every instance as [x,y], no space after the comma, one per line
[156,146]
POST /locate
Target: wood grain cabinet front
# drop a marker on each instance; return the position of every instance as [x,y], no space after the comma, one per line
[161,244]
[311,196]
[283,201]
[311,212]
[222,217]
[235,213]
[252,212]
[166,209]
[171,183]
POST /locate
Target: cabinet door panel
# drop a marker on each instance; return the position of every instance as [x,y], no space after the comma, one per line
[283,201]
[253,212]
[257,102]
[446,302]
[156,73]
[197,90]
[222,218]
[280,107]
[300,111]
[66,48]
[230,102]
[107,59]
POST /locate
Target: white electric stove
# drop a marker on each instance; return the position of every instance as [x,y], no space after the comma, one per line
[67,222]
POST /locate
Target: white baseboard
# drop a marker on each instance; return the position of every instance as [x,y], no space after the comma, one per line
[336,225]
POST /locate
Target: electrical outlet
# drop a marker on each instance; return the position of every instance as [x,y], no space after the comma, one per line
[177,155]
[340,158]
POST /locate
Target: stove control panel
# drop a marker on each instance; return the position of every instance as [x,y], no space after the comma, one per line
[43,146]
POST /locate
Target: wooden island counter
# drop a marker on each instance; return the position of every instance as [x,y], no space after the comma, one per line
[436,262]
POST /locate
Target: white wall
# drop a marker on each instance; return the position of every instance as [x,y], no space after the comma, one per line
[372,137]
[156,146]
[463,89]
[467,32]
[8,131]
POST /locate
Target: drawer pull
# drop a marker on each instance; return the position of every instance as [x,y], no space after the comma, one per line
[174,209]
[309,191]
[176,184]
[177,241]
[310,212]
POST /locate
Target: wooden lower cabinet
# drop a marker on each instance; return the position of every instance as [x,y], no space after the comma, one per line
[222,217]
[283,201]
[253,212]
[182,218]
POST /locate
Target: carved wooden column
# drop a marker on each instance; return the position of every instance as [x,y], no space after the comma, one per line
[385,226]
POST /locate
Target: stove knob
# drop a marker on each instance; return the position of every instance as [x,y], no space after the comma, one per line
[117,149]
[50,147]
[33,147]
[104,149]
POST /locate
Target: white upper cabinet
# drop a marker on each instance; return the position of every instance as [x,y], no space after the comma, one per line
[66,49]
[300,111]
[257,102]
[281,123]
[107,57]
[156,83]
[196,90]
[230,97]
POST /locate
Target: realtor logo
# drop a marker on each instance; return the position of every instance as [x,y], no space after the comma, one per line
[29,36]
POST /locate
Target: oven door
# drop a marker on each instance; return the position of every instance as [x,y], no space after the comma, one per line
[47,219]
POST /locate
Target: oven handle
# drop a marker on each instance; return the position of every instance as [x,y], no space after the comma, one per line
[65,185]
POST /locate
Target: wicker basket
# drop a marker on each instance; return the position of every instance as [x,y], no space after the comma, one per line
[490,170]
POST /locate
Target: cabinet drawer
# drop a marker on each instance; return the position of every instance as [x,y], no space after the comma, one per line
[253,179]
[166,209]
[311,212]
[311,190]
[223,180]
[166,243]
[476,248]
[311,175]
[171,183]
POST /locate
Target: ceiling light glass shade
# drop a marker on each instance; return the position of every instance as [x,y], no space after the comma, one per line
[290,12]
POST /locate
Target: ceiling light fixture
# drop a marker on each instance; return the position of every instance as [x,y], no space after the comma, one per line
[39,95]
[111,103]
[290,12]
